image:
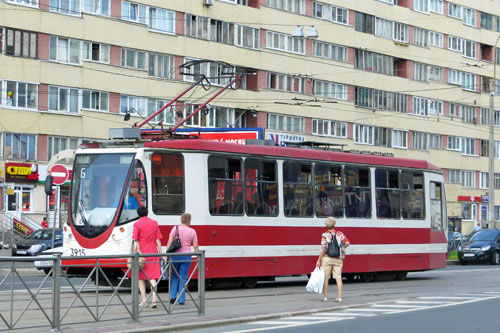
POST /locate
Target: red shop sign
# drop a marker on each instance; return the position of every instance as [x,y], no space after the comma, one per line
[21,173]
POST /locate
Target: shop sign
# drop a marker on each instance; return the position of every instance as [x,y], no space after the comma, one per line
[21,227]
[282,139]
[471,198]
[21,173]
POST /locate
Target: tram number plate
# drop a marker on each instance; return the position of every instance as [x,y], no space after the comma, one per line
[77,252]
[468,254]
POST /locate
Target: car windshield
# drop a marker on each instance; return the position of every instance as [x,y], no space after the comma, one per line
[97,186]
[41,234]
[484,235]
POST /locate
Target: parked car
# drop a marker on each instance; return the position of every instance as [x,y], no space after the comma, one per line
[454,240]
[37,242]
[482,245]
[46,265]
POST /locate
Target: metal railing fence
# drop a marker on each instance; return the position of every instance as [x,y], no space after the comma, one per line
[50,302]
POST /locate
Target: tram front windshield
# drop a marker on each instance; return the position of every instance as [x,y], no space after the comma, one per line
[97,186]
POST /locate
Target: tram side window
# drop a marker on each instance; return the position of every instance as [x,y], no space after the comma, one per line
[357,196]
[328,190]
[412,195]
[387,194]
[298,189]
[168,183]
[136,194]
[261,188]
[436,196]
[225,186]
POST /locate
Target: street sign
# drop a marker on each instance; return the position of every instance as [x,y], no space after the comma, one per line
[59,173]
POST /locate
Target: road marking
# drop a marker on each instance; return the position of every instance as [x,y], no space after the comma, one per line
[371,310]
[395,306]
[422,302]
[447,297]
[345,313]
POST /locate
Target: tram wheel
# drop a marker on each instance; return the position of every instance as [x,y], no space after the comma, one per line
[250,282]
[367,277]
[401,276]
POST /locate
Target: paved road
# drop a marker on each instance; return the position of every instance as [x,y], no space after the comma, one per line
[456,313]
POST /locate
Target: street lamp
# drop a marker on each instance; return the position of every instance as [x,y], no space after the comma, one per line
[491,174]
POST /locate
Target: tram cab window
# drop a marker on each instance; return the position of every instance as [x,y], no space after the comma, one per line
[225,185]
[437,200]
[387,194]
[136,195]
[357,196]
[328,190]
[412,195]
[261,188]
[298,189]
[167,170]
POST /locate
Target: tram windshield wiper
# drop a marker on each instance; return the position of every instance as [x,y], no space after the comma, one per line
[82,211]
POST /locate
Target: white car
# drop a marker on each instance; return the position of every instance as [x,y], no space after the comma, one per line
[46,265]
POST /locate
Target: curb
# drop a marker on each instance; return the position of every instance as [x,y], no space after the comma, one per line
[240,320]
[452,262]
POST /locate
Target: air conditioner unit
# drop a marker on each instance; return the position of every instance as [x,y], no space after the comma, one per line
[208,2]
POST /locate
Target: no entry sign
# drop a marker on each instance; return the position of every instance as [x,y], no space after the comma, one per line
[59,173]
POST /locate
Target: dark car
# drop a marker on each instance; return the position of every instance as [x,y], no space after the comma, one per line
[37,242]
[454,240]
[482,245]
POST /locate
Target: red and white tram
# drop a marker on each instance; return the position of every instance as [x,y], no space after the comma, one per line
[259,211]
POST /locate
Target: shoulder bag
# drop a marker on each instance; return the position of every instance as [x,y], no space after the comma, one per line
[176,244]
[142,260]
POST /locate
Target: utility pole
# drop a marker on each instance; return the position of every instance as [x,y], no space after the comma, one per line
[491,173]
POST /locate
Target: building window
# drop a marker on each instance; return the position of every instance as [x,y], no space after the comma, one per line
[469,16]
[95,100]
[454,143]
[95,52]
[374,62]
[132,102]
[19,43]
[217,73]
[421,6]
[454,110]
[20,95]
[468,179]
[454,176]
[468,114]
[420,106]
[421,37]
[285,123]
[485,116]
[64,50]
[134,59]
[420,72]
[329,128]
[160,65]
[383,28]
[382,137]
[435,107]
[420,141]
[30,3]
[247,37]
[134,12]
[468,146]
[486,21]
[364,23]
[167,116]
[435,73]
[19,146]
[483,180]
[363,97]
[436,6]
[401,32]
[400,139]
[65,6]
[56,144]
[294,6]
[469,49]
[284,42]
[455,43]
[469,81]
[161,20]
[454,77]
[435,141]
[330,51]
[98,7]
[285,82]
[339,15]
[63,99]
[330,90]
[435,39]
[454,10]
[363,134]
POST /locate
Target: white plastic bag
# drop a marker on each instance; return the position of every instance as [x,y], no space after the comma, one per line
[315,284]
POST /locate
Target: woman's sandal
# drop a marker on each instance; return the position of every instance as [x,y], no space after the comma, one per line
[153,305]
[142,303]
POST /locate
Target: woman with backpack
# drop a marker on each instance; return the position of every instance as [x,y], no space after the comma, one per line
[333,245]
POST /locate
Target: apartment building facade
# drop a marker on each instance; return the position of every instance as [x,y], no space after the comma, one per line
[402,77]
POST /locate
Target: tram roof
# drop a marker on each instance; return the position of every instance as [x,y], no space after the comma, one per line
[300,153]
